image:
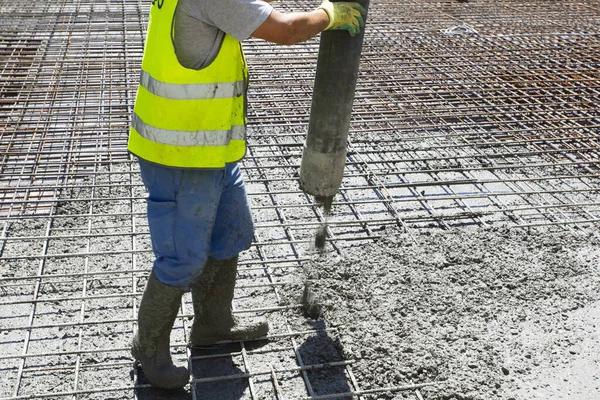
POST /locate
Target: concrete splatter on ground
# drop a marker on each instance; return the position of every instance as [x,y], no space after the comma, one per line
[485,313]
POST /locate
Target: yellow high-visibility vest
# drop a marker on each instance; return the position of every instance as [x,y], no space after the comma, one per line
[188,118]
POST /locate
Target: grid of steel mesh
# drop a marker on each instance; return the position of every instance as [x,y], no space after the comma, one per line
[465,113]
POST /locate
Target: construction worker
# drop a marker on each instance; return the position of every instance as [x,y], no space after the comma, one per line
[188,132]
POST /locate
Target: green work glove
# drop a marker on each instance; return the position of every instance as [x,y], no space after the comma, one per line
[345,16]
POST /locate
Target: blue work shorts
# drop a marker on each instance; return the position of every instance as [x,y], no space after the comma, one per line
[194,214]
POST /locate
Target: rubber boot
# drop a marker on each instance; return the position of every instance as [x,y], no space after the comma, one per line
[157,313]
[212,295]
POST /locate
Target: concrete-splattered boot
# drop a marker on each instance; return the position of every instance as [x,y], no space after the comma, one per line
[157,313]
[212,295]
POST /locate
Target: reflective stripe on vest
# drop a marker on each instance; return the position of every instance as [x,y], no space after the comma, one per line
[183,117]
[187,138]
[200,91]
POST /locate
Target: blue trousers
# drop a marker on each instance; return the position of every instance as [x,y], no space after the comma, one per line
[194,214]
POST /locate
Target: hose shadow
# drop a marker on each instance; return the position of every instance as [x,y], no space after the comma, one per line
[323,349]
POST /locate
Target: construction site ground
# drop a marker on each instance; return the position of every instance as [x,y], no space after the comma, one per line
[462,257]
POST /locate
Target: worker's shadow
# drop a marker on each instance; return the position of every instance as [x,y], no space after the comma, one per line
[207,363]
[217,361]
[323,349]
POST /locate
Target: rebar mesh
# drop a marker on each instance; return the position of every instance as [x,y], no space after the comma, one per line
[465,113]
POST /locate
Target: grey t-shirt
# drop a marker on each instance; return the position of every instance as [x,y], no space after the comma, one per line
[201,24]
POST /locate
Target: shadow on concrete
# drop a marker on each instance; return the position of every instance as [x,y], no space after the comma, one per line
[229,389]
[316,349]
[202,368]
[322,349]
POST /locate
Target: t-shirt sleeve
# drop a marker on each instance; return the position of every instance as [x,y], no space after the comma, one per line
[237,18]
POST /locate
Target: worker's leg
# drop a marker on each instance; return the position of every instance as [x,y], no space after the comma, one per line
[150,346]
[182,206]
[212,294]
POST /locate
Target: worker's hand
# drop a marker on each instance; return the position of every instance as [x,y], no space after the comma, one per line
[345,16]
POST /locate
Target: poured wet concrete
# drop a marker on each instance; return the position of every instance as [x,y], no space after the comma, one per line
[483,313]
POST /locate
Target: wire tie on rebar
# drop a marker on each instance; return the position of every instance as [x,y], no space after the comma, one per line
[460,30]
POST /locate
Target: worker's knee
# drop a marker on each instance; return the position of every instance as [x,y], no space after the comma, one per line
[176,273]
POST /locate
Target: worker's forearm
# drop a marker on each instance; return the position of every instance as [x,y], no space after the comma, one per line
[304,26]
[291,28]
